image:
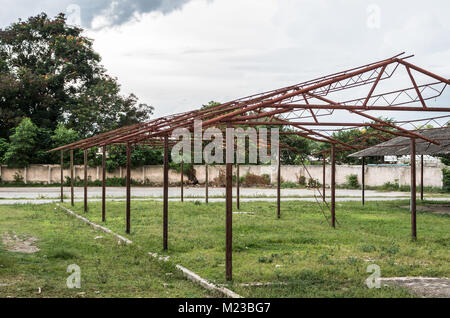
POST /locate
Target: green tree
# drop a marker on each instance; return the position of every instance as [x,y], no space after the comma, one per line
[140,155]
[210,104]
[64,136]
[4,145]
[50,73]
[303,146]
[23,144]
[363,137]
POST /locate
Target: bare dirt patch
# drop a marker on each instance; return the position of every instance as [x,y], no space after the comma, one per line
[14,243]
[435,208]
[429,287]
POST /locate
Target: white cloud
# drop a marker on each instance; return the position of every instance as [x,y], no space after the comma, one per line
[225,49]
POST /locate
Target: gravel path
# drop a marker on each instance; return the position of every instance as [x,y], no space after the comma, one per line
[429,287]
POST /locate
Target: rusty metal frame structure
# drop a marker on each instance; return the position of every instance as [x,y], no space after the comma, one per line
[305,107]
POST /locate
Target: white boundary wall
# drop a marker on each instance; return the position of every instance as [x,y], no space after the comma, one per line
[375,175]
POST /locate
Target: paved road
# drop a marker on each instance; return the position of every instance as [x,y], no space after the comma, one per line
[51,194]
[54,192]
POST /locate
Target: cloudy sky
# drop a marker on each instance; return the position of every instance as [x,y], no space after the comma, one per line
[178,54]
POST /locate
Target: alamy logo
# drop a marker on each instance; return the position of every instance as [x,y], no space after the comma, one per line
[209,145]
[74,280]
[373,281]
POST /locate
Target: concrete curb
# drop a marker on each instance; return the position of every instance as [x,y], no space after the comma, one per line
[205,284]
[104,229]
[186,272]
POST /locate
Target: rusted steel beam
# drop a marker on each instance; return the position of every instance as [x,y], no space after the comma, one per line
[323,177]
[85,181]
[363,179]
[166,193]
[407,132]
[298,90]
[386,123]
[72,201]
[286,123]
[311,111]
[300,126]
[413,81]
[182,182]
[421,178]
[383,68]
[229,222]
[206,183]
[279,184]
[104,184]
[341,106]
[261,114]
[128,189]
[333,186]
[295,93]
[81,143]
[267,100]
[413,189]
[421,70]
[62,174]
[238,194]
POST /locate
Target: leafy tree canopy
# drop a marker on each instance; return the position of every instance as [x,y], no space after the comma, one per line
[50,73]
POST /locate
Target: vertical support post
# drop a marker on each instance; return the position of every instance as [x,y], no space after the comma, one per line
[229,212]
[166,192]
[279,184]
[128,204]
[206,183]
[333,186]
[104,184]
[421,178]
[85,181]
[413,189]
[229,220]
[238,193]
[182,181]
[62,175]
[71,178]
[363,180]
[323,178]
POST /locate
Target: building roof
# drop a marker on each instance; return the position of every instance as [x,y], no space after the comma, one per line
[401,145]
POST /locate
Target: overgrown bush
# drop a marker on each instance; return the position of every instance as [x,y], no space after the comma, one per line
[289,185]
[302,180]
[313,183]
[352,181]
[110,182]
[389,186]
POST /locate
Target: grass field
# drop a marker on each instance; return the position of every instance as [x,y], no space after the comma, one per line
[108,269]
[300,251]
[299,254]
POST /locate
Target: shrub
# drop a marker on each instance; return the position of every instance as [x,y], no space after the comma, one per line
[352,181]
[313,183]
[18,178]
[302,181]
[289,185]
[391,186]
